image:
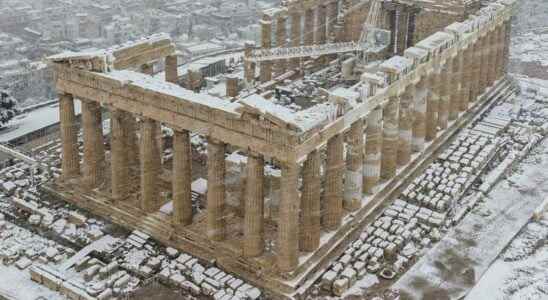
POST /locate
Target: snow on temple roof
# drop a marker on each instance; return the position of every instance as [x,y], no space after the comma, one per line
[150,83]
[68,55]
[373,77]
[269,109]
[458,27]
[303,120]
[272,12]
[151,39]
[415,53]
[396,64]
[121,52]
[435,41]
[345,93]
[316,116]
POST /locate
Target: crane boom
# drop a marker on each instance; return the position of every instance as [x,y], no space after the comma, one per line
[372,39]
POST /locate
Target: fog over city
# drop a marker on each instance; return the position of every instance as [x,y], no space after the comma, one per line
[31,30]
[274,149]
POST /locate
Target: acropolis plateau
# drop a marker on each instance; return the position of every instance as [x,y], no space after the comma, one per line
[357,149]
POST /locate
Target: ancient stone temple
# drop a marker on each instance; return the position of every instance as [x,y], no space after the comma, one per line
[388,82]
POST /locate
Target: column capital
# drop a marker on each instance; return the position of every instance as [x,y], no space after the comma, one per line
[254,154]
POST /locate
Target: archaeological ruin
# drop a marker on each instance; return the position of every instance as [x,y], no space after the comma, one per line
[314,130]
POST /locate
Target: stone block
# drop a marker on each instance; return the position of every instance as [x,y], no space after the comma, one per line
[327,280]
[350,274]
[340,286]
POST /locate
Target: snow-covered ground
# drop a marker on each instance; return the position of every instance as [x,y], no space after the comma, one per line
[449,270]
[17,285]
[529,48]
[521,271]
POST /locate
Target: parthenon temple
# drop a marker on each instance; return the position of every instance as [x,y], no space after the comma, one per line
[290,175]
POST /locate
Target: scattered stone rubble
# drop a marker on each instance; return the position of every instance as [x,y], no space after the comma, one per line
[441,196]
[21,247]
[418,218]
[131,262]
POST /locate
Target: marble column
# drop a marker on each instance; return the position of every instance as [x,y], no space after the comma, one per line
[419,112]
[354,171]
[321,30]
[454,86]
[288,220]
[321,26]
[444,94]
[182,178]
[308,34]
[507,35]
[132,140]
[501,47]
[249,66]
[281,41]
[389,156]
[148,69]
[119,155]
[334,183]
[432,105]
[150,165]
[171,69]
[310,203]
[484,66]
[254,206]
[500,52]
[266,43]
[467,76]
[405,126]
[92,168]
[70,158]
[402,23]
[216,225]
[100,145]
[295,37]
[332,12]
[373,144]
[491,65]
[476,66]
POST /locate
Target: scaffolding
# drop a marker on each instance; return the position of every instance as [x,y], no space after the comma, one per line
[372,40]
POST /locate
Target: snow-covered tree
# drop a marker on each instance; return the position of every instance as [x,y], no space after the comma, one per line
[7,108]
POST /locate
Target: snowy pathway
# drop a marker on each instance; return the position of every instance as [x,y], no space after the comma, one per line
[452,268]
[16,285]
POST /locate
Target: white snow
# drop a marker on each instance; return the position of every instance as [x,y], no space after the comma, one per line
[199,186]
[33,121]
[16,284]
[149,83]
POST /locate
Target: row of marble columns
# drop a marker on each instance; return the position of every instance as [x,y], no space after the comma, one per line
[136,144]
[375,147]
[148,160]
[378,145]
[317,27]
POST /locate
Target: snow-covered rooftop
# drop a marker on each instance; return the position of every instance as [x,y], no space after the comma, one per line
[396,64]
[33,121]
[435,41]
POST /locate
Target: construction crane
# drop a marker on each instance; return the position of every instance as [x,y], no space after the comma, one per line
[372,39]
